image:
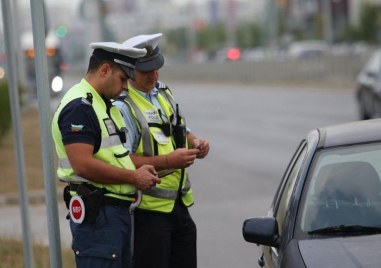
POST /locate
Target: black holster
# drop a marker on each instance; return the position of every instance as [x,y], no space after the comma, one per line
[92,198]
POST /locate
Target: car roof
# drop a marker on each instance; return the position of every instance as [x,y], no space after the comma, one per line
[348,133]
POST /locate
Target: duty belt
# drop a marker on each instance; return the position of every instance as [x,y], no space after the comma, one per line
[107,200]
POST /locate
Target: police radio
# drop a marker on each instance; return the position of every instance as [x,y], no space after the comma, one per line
[179,130]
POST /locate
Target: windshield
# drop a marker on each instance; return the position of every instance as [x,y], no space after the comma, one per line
[343,191]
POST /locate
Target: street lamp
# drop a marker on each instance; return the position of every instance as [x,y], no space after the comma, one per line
[327,21]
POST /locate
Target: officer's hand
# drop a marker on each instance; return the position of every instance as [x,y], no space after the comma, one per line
[181,158]
[146,177]
[203,147]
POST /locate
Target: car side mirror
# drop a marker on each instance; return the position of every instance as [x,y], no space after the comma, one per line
[263,231]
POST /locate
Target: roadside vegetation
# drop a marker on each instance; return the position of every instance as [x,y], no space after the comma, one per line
[5,114]
[11,250]
[11,255]
[32,153]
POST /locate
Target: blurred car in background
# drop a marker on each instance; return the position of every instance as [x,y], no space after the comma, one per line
[368,89]
[327,209]
[254,54]
[54,62]
[308,49]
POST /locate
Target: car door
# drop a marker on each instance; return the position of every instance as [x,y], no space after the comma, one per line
[282,201]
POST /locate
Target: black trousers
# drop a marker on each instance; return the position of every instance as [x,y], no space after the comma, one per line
[165,240]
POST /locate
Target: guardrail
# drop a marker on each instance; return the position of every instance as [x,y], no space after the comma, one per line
[338,71]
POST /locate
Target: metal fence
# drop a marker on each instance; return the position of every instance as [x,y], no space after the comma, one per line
[339,71]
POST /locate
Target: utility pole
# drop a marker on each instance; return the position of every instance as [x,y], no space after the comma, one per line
[272,22]
[10,46]
[191,33]
[232,23]
[20,54]
[327,21]
[43,96]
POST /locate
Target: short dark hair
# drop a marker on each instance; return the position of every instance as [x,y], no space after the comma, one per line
[95,63]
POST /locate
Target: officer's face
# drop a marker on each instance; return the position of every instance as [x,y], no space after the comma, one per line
[115,83]
[145,81]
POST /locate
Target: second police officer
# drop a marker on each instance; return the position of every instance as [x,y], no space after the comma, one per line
[165,233]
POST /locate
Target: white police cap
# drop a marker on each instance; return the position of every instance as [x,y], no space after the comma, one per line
[153,60]
[143,41]
[122,54]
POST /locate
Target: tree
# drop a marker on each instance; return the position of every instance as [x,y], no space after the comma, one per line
[211,38]
[369,25]
[369,22]
[249,35]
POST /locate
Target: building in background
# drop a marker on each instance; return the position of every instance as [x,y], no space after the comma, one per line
[79,22]
[325,18]
[84,21]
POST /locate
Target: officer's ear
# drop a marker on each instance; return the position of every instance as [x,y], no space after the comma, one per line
[104,69]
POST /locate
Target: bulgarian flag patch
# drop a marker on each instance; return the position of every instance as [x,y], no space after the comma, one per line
[76,128]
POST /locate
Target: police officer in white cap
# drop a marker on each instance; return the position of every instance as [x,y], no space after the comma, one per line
[165,234]
[102,181]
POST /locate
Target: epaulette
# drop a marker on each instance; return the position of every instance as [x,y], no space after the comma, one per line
[160,84]
[88,100]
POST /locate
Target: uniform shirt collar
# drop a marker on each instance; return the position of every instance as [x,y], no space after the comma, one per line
[148,96]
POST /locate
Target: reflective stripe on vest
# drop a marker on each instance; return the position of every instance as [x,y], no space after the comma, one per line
[110,141]
[167,193]
[106,143]
[145,133]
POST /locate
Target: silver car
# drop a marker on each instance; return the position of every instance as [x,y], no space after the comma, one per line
[327,209]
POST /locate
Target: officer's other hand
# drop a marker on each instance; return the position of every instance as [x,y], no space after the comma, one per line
[181,158]
[203,147]
[146,177]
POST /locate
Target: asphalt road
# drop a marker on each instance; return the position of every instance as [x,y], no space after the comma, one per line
[253,132]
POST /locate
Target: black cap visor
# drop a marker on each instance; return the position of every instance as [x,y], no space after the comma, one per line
[115,57]
[127,64]
[128,71]
[151,63]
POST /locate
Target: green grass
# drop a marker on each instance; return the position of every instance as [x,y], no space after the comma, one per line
[11,255]
[32,155]
[11,250]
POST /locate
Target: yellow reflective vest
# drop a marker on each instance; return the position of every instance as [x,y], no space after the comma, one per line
[111,150]
[153,142]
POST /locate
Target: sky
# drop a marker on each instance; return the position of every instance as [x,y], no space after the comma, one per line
[75,2]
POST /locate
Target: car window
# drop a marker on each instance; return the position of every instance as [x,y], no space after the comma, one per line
[286,192]
[343,188]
